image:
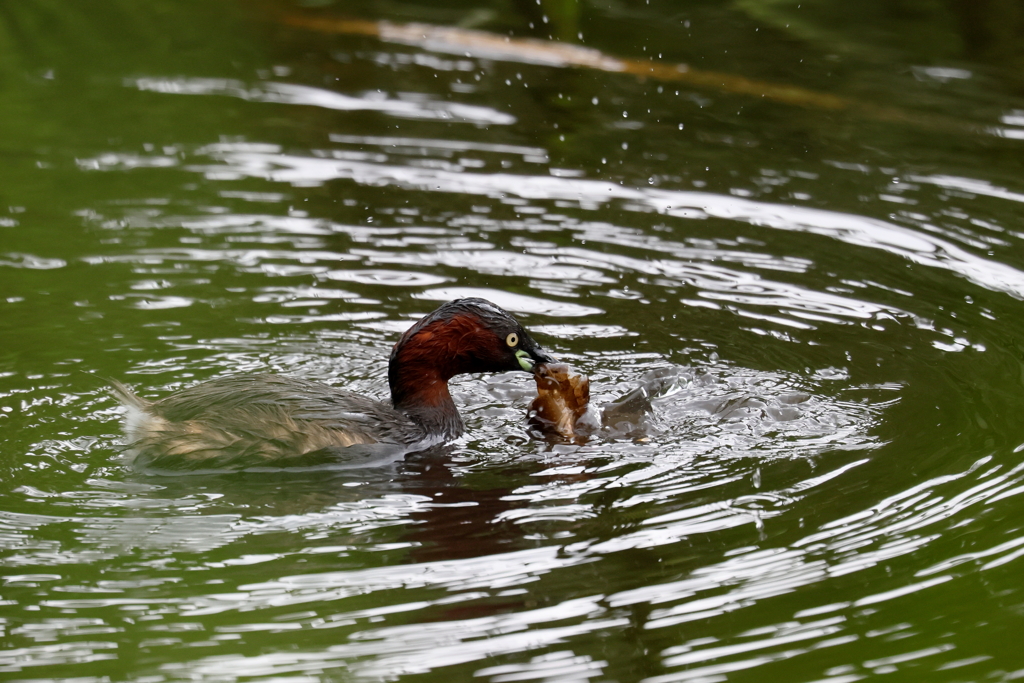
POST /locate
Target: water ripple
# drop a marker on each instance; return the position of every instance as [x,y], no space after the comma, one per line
[861,231]
[406,105]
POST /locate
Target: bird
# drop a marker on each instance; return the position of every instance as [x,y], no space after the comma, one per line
[271,420]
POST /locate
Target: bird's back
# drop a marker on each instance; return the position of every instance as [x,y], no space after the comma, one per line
[260,420]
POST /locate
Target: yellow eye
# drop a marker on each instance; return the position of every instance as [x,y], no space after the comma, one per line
[512,339]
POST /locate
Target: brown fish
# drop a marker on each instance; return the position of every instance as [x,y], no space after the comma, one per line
[562,398]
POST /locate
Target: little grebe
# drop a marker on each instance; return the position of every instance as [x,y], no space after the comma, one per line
[272,420]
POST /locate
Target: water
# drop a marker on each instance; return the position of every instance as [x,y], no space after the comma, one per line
[813,234]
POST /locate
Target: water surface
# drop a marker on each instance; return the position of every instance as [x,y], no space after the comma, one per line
[814,230]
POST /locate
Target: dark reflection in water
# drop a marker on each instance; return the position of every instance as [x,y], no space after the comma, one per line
[823,483]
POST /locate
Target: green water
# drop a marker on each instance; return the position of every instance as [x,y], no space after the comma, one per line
[831,489]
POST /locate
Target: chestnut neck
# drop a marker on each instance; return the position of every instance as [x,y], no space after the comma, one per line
[419,389]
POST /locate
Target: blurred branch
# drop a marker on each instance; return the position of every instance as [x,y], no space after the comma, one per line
[484,45]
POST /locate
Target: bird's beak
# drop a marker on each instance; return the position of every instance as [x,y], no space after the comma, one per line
[532,359]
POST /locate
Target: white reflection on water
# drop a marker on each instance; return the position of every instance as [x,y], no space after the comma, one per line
[407,105]
[392,278]
[563,665]
[386,653]
[30,261]
[862,231]
[427,146]
[969,185]
[583,331]
[748,578]
[517,303]
[541,264]
[12,660]
[561,272]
